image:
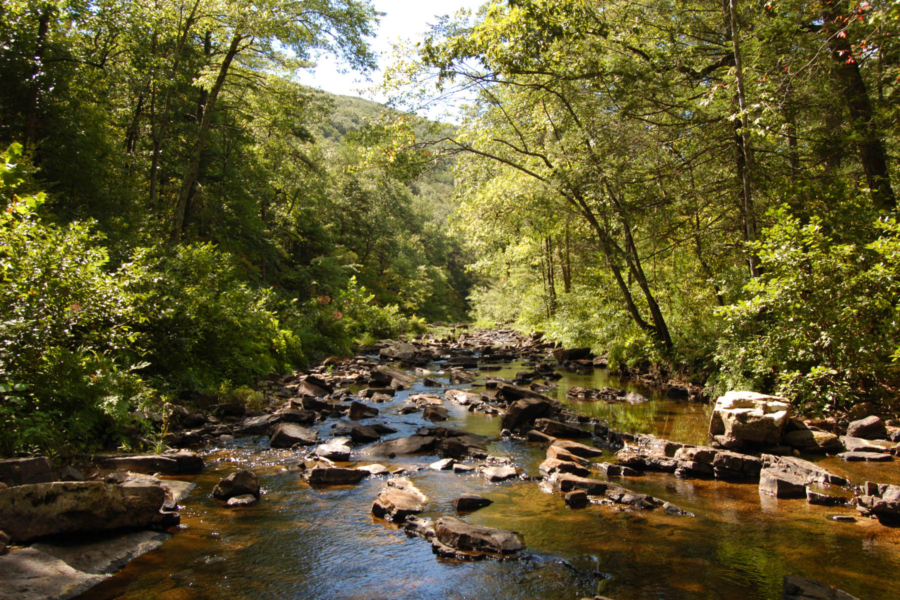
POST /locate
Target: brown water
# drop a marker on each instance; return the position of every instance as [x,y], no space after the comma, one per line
[304,542]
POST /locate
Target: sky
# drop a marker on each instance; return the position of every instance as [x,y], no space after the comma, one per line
[403,19]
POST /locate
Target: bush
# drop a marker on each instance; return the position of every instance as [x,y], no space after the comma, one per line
[820,324]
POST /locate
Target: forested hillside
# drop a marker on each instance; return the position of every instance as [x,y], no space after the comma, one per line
[706,187]
[180,216]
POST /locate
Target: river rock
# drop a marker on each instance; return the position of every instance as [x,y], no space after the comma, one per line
[865,457]
[499,473]
[402,351]
[782,484]
[578,449]
[562,355]
[29,574]
[335,476]
[293,415]
[619,495]
[539,437]
[798,588]
[33,511]
[435,413]
[460,535]
[553,466]
[747,417]
[813,441]
[560,453]
[560,430]
[568,482]
[415,444]
[854,444]
[337,449]
[577,499]
[445,464]
[470,503]
[362,434]
[287,435]
[611,470]
[398,499]
[827,496]
[22,471]
[870,428]
[394,378]
[242,501]
[374,469]
[257,425]
[524,412]
[880,500]
[237,484]
[803,468]
[359,411]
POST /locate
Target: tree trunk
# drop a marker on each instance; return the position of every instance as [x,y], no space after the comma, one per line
[30,134]
[193,167]
[862,115]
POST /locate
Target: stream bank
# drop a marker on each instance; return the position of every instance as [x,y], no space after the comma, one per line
[716,538]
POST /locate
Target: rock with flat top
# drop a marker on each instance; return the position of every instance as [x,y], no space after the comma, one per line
[499,473]
[287,435]
[560,430]
[21,471]
[335,476]
[337,449]
[416,444]
[577,499]
[29,574]
[560,453]
[742,417]
[470,503]
[578,449]
[552,466]
[34,511]
[880,500]
[782,484]
[460,535]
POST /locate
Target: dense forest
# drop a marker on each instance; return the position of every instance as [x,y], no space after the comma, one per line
[702,188]
[181,217]
[705,188]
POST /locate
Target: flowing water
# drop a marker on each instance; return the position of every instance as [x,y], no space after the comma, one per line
[302,542]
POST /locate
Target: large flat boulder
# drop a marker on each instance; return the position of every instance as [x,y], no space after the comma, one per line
[460,535]
[560,430]
[803,468]
[748,417]
[335,476]
[30,574]
[782,484]
[105,555]
[416,444]
[21,471]
[398,499]
[35,511]
[578,449]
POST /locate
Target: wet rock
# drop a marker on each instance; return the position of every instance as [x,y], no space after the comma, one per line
[524,412]
[415,444]
[428,382]
[798,588]
[463,397]
[374,469]
[359,411]
[237,484]
[460,468]
[445,464]
[539,437]
[703,461]
[825,497]
[460,535]
[242,501]
[553,466]
[470,503]
[675,511]
[435,413]
[499,473]
[335,476]
[337,449]
[782,484]
[362,434]
[293,415]
[560,453]
[287,435]
[880,500]
[611,470]
[398,499]
[560,430]
[578,449]
[34,511]
[803,468]
[619,495]
[460,378]
[22,471]
[865,457]
[419,526]
[577,499]
[747,417]
[257,425]
[870,428]
[593,487]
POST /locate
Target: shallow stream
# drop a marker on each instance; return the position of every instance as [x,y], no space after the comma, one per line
[302,542]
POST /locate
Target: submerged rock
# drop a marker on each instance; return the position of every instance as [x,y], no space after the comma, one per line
[398,499]
[799,588]
[242,501]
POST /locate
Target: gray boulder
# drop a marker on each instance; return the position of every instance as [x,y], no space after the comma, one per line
[237,484]
[459,535]
[34,511]
[287,435]
[870,428]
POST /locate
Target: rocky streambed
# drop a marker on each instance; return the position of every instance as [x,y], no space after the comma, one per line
[491,466]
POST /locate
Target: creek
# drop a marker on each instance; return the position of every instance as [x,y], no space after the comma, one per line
[323,542]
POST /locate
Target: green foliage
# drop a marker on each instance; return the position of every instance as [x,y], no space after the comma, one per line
[819,325]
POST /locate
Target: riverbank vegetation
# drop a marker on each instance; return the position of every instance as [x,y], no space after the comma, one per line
[180,217]
[703,186]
